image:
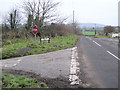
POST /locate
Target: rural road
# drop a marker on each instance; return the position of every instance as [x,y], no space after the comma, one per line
[58,68]
[92,62]
[100,58]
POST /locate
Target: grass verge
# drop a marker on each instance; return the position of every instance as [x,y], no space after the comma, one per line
[12,81]
[27,46]
[99,36]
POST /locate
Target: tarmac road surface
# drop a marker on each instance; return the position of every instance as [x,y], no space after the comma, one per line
[48,65]
[98,63]
[101,61]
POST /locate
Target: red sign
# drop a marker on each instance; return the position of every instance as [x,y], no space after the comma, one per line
[34,30]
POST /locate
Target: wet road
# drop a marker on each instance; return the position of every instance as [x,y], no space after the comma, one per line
[101,57]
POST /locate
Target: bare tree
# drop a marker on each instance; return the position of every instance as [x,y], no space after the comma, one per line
[14,19]
[41,11]
[61,20]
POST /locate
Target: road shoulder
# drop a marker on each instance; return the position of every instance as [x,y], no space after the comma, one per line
[84,64]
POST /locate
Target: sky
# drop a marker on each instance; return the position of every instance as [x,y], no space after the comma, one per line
[86,11]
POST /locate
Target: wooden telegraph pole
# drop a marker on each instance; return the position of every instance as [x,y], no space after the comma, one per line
[95,29]
[73,20]
[73,17]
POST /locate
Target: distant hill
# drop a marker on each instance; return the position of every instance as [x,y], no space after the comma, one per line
[90,25]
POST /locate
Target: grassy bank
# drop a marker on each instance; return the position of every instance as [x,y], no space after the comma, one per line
[23,47]
[12,81]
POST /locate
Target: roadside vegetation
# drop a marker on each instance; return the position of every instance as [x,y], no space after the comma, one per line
[12,81]
[100,36]
[23,47]
[18,38]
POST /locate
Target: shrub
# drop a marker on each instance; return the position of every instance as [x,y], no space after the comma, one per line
[9,53]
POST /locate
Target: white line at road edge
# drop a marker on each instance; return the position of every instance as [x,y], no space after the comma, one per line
[74,68]
[113,55]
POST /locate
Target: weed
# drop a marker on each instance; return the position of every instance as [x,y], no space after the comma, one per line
[12,81]
[58,43]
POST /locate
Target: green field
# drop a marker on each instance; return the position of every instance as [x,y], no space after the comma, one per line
[88,33]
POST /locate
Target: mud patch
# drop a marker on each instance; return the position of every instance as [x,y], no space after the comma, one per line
[59,82]
[23,50]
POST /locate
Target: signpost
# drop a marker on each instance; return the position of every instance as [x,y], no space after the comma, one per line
[34,30]
[45,39]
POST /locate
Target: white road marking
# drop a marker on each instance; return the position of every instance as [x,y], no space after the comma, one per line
[96,43]
[10,63]
[19,60]
[88,38]
[106,50]
[14,65]
[74,68]
[5,66]
[113,55]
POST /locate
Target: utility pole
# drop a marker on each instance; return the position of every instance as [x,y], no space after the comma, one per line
[73,17]
[73,20]
[95,29]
